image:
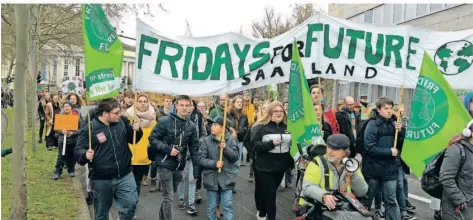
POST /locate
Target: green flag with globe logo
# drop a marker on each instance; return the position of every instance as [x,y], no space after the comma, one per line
[103,53]
[301,121]
[437,116]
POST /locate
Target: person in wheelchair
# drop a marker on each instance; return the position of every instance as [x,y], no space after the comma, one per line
[331,185]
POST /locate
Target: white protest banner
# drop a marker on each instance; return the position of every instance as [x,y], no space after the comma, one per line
[330,47]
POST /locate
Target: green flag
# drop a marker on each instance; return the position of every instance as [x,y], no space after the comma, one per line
[437,116]
[302,122]
[103,54]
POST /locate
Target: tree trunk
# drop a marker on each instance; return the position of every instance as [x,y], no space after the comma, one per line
[19,191]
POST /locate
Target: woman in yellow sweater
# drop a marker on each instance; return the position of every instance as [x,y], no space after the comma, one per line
[146,117]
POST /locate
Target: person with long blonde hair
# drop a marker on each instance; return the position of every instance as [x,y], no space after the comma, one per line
[271,144]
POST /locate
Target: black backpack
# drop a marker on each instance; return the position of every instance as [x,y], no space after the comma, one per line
[430,181]
[360,135]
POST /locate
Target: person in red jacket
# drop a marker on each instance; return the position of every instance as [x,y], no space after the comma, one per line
[317,94]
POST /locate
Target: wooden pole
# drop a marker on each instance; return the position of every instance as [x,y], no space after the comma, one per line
[222,139]
[134,116]
[320,104]
[398,116]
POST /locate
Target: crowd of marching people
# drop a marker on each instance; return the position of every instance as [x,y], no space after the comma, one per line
[178,145]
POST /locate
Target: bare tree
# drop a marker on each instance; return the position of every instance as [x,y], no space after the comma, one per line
[19,205]
[274,24]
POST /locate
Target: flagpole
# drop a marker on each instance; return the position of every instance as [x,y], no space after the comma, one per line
[398,116]
[134,117]
[320,104]
[222,139]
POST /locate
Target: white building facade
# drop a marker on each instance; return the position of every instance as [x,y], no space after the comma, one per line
[439,17]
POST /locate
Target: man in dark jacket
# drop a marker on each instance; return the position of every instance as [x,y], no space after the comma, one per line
[169,141]
[347,120]
[380,160]
[109,159]
[218,184]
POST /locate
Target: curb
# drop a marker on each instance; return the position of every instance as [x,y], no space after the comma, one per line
[84,212]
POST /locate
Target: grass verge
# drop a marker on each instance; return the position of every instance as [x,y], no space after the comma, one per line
[47,199]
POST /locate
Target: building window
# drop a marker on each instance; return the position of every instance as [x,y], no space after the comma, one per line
[130,72]
[78,67]
[361,18]
[378,15]
[410,11]
[388,14]
[436,7]
[66,67]
[369,17]
[422,9]
[54,76]
[123,69]
[398,15]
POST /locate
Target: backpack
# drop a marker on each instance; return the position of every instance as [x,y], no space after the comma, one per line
[360,136]
[430,181]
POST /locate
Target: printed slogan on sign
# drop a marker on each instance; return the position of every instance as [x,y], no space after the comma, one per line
[329,48]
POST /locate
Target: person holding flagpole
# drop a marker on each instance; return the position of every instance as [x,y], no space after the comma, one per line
[109,159]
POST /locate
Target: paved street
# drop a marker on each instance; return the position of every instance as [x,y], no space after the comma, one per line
[244,206]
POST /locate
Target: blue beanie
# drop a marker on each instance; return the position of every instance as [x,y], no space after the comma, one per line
[467,100]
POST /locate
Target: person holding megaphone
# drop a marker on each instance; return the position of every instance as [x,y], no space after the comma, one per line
[332,183]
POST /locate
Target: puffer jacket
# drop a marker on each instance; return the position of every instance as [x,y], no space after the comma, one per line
[270,158]
[209,154]
[378,162]
[457,183]
[170,131]
[112,158]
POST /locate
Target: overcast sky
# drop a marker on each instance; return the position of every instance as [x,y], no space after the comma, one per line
[208,17]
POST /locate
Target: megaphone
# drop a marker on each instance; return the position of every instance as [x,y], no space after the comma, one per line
[351,164]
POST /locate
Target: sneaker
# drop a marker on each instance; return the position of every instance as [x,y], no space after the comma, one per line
[71,174]
[250,179]
[40,141]
[56,176]
[144,183]
[259,218]
[182,204]
[409,206]
[233,191]
[379,214]
[191,210]
[50,148]
[408,217]
[438,215]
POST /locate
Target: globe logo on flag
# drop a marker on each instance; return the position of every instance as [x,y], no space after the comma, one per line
[454,57]
[99,31]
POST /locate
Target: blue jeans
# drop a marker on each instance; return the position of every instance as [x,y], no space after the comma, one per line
[226,201]
[123,190]
[406,188]
[189,175]
[400,192]
[388,188]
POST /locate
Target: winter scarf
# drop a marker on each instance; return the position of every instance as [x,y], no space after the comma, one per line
[144,118]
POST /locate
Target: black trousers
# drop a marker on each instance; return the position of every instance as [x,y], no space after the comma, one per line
[139,171]
[258,188]
[41,128]
[269,182]
[51,139]
[153,171]
[67,159]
